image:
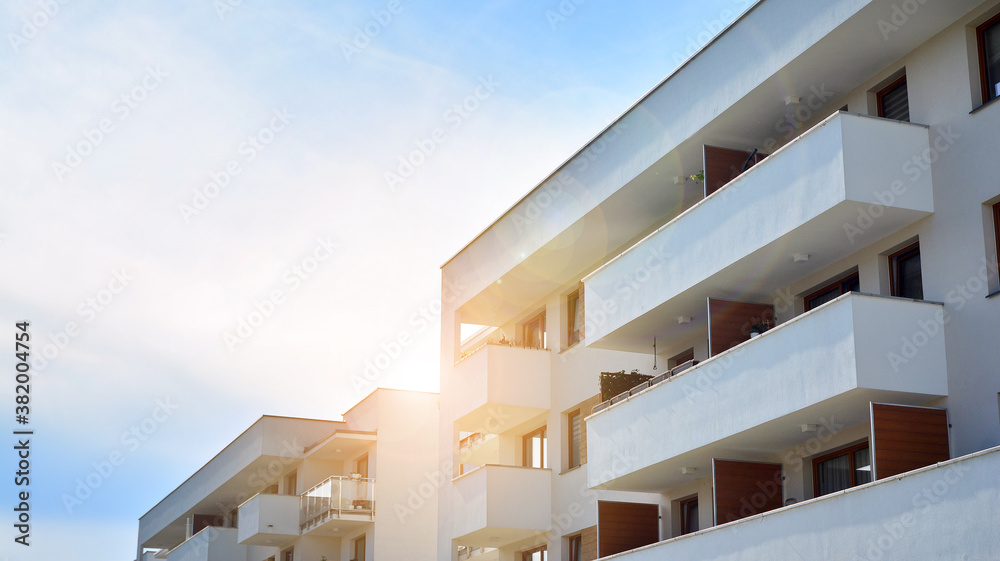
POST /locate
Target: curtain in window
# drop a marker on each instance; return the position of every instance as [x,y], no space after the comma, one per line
[834,474]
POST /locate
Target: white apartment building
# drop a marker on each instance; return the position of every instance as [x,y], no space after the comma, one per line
[291,489]
[796,235]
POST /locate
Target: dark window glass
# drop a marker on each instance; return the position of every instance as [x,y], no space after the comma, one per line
[989,57]
[832,291]
[893,102]
[905,272]
[842,469]
[689,516]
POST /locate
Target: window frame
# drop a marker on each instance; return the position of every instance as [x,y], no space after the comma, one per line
[996,223]
[894,275]
[536,321]
[526,555]
[987,93]
[839,284]
[685,515]
[361,540]
[675,361]
[848,451]
[525,447]
[573,328]
[574,544]
[879,95]
[578,415]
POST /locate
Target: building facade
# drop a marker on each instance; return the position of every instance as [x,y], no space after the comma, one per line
[787,251]
[291,489]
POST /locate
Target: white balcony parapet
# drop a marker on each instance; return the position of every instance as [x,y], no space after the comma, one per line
[499,387]
[496,505]
[845,183]
[268,519]
[824,365]
[944,511]
[337,498]
[210,544]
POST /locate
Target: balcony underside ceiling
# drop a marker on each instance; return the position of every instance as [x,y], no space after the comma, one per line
[610,222]
[759,277]
[492,536]
[250,480]
[762,442]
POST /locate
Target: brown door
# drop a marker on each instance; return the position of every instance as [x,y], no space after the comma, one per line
[905,438]
[625,526]
[743,489]
[730,323]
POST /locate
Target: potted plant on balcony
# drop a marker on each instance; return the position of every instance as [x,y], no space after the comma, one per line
[355,476]
[361,504]
[756,329]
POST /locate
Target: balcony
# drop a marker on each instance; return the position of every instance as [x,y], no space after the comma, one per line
[479,449]
[937,512]
[210,544]
[840,186]
[494,506]
[338,503]
[827,364]
[499,387]
[270,520]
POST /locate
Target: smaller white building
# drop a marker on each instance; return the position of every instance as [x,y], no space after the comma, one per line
[291,489]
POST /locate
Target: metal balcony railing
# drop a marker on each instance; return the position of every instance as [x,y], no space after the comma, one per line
[336,497]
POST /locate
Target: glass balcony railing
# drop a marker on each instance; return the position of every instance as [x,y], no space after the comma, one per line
[336,497]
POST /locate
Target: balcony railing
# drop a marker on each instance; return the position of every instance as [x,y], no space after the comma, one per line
[337,497]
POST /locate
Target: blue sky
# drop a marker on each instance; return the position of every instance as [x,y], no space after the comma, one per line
[199,222]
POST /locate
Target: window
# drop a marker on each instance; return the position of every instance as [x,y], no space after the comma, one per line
[290,483]
[533,332]
[996,227]
[831,291]
[574,316]
[689,515]
[842,469]
[904,273]
[893,102]
[287,554]
[575,429]
[534,449]
[537,554]
[575,547]
[359,549]
[988,37]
